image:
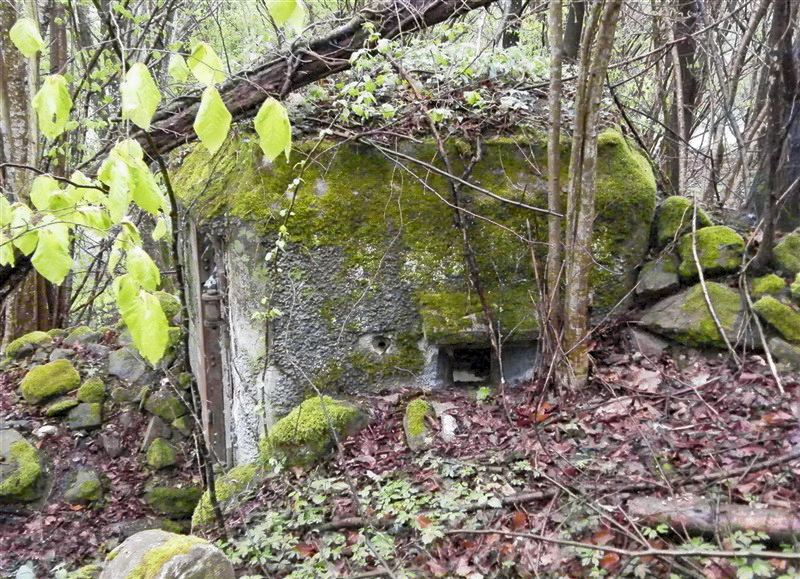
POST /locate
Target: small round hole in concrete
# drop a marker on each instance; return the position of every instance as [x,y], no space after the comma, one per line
[381,343]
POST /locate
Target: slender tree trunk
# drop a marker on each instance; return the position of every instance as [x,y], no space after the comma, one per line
[573,30]
[596,46]
[555,261]
[512,20]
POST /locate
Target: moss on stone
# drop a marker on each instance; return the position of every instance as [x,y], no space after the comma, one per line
[719,250]
[787,254]
[154,559]
[86,572]
[174,335]
[304,434]
[82,334]
[414,422]
[28,343]
[727,305]
[674,219]
[164,405]
[174,502]
[160,454]
[169,303]
[92,390]
[44,382]
[795,287]
[780,316]
[57,333]
[85,487]
[61,407]
[228,486]
[20,484]
[765,285]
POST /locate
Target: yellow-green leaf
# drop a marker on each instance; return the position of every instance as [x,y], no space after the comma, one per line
[25,36]
[177,69]
[141,311]
[6,251]
[140,96]
[42,189]
[143,268]
[290,13]
[213,120]
[206,65]
[274,130]
[52,104]
[23,236]
[160,230]
[51,258]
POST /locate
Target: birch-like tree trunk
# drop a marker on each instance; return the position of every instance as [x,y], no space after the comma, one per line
[596,46]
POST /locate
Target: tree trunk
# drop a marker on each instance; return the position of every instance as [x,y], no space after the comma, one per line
[512,21]
[574,30]
[596,46]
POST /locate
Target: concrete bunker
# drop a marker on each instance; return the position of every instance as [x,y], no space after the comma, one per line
[341,271]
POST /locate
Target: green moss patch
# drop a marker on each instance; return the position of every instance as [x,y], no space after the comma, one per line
[674,219]
[766,285]
[174,502]
[787,254]
[229,486]
[27,344]
[795,287]
[160,454]
[92,390]
[154,559]
[305,434]
[44,382]
[169,303]
[780,316]
[19,485]
[61,407]
[719,250]
[414,422]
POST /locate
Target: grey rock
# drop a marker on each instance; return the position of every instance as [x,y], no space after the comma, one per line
[449,427]
[18,480]
[194,558]
[786,353]
[83,487]
[40,356]
[156,428]
[112,444]
[83,335]
[658,277]
[647,344]
[165,405]
[98,350]
[126,364]
[85,415]
[61,353]
[127,419]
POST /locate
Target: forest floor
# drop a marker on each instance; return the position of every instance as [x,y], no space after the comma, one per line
[532,484]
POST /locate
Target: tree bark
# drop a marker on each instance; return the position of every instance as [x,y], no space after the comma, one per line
[596,46]
[573,30]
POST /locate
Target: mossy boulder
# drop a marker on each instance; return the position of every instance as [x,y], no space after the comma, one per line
[160,454]
[27,344]
[92,390]
[20,468]
[169,303]
[83,486]
[230,487]
[795,287]
[719,250]
[674,219]
[156,554]
[767,285]
[165,405]
[82,335]
[49,380]
[415,423]
[57,333]
[658,277]
[307,432]
[85,416]
[786,254]
[61,407]
[780,316]
[86,572]
[685,317]
[174,502]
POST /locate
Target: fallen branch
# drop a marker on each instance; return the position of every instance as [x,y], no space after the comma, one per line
[699,516]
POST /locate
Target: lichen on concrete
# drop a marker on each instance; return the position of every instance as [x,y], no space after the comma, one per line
[236,481]
[674,219]
[719,250]
[44,382]
[28,343]
[780,316]
[19,486]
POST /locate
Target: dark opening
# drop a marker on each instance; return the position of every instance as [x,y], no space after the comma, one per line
[470,366]
[381,343]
